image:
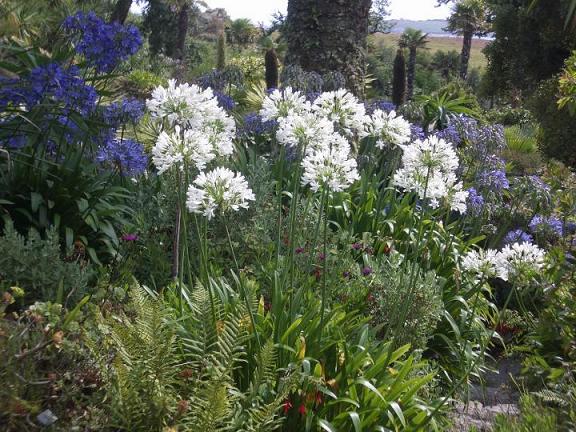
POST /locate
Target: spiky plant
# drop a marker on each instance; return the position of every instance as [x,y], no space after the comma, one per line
[399,79]
[221,52]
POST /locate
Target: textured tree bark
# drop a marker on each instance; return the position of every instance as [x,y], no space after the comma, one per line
[465,56]
[329,35]
[121,10]
[182,31]
[411,74]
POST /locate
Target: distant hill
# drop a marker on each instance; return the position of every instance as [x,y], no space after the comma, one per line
[434,27]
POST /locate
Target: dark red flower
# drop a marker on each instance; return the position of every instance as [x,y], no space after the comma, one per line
[130,237]
[287,406]
[302,409]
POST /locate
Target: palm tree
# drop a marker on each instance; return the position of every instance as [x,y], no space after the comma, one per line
[412,40]
[468,19]
[329,36]
[184,9]
[242,32]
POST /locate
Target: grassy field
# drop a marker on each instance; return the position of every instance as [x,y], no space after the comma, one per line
[477,59]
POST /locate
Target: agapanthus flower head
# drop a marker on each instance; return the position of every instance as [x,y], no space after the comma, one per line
[481,264]
[226,102]
[182,147]
[128,110]
[429,169]
[382,105]
[103,45]
[538,183]
[388,128]
[330,169]
[16,93]
[493,180]
[475,202]
[304,130]
[546,226]
[219,190]
[183,104]
[63,86]
[519,258]
[283,103]
[517,236]
[127,155]
[451,135]
[220,129]
[342,108]
[255,125]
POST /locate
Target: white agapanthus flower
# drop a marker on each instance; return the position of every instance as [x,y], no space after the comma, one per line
[518,258]
[329,169]
[304,130]
[183,104]
[342,108]
[220,131]
[429,169]
[389,129]
[182,147]
[218,190]
[283,103]
[481,264]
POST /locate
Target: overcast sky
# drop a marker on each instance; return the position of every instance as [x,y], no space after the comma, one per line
[262,10]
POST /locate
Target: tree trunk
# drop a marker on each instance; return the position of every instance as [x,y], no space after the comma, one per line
[411,74]
[399,79]
[271,64]
[465,56]
[182,32]
[329,35]
[121,10]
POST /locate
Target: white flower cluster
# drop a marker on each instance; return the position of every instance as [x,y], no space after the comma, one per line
[195,129]
[315,129]
[429,169]
[389,129]
[219,189]
[510,262]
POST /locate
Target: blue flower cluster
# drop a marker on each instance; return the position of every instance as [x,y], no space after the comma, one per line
[539,184]
[103,45]
[128,111]
[493,180]
[546,226]
[52,82]
[475,202]
[125,154]
[450,135]
[254,125]
[417,133]
[517,236]
[225,101]
[381,105]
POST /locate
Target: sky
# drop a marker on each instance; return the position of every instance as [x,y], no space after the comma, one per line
[262,10]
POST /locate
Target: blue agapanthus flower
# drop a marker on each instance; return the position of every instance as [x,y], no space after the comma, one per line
[417,133]
[517,236]
[381,105]
[547,226]
[450,135]
[255,125]
[125,154]
[225,101]
[129,110]
[53,83]
[493,180]
[539,184]
[103,45]
[475,202]
[15,93]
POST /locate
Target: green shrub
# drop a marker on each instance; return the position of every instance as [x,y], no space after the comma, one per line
[557,127]
[36,265]
[416,300]
[534,418]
